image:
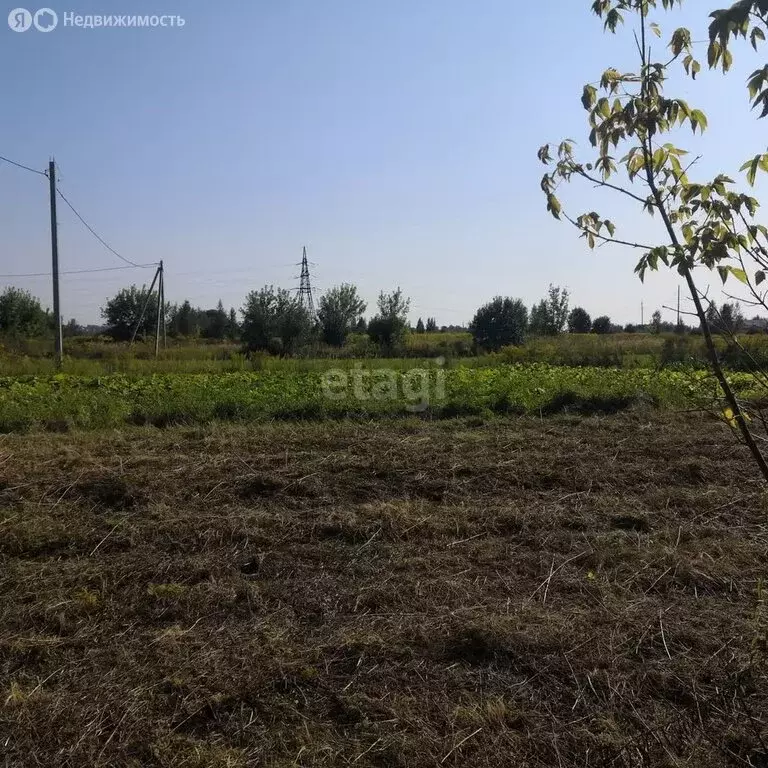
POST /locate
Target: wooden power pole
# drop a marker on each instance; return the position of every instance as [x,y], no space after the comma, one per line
[160,308]
[146,304]
[55,263]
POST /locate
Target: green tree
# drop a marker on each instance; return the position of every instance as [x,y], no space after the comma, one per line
[656,322]
[630,118]
[21,314]
[122,313]
[232,331]
[601,325]
[339,310]
[550,315]
[501,322]
[726,320]
[216,322]
[537,322]
[731,317]
[431,325]
[579,321]
[389,326]
[184,320]
[420,326]
[274,320]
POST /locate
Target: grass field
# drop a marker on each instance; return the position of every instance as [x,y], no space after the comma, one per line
[87,356]
[517,592]
[360,391]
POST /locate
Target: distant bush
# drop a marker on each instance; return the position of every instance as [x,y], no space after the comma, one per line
[550,316]
[21,314]
[339,311]
[579,321]
[389,327]
[275,321]
[601,325]
[499,323]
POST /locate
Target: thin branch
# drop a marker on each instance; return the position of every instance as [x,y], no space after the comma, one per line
[607,239]
[682,311]
[684,173]
[601,183]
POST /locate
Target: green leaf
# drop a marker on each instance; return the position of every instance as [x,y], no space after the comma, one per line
[698,120]
[756,81]
[739,274]
[759,276]
[695,68]
[752,166]
[553,206]
[612,19]
[589,96]
[713,54]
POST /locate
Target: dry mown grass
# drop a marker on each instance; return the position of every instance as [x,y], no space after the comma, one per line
[568,592]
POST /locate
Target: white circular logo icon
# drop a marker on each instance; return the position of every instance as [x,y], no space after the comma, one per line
[19,19]
[46,20]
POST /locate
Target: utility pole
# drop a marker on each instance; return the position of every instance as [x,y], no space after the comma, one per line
[678,306]
[642,315]
[159,308]
[162,303]
[55,262]
[146,304]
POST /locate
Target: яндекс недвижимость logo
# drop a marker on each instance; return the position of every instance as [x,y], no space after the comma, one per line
[44,20]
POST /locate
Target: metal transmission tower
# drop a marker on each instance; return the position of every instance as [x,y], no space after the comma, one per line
[305,286]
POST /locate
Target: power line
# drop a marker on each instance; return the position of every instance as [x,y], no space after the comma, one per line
[90,229]
[204,272]
[80,271]
[74,210]
[25,167]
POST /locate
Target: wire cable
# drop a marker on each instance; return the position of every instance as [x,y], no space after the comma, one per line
[91,230]
[80,271]
[25,167]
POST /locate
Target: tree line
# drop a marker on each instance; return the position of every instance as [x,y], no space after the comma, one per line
[271,319]
[274,320]
[505,321]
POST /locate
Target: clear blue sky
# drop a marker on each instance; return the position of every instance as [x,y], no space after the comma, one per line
[396,139]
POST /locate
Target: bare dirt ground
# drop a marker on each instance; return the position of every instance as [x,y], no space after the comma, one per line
[566,592]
